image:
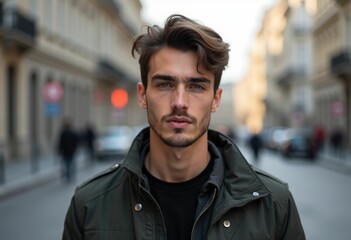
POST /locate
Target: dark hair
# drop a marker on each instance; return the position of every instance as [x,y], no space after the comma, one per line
[184,34]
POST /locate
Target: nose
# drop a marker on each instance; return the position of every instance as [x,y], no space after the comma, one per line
[180,99]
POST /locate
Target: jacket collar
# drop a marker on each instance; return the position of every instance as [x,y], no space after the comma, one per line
[238,178]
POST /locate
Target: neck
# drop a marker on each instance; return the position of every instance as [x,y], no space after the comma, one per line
[177,164]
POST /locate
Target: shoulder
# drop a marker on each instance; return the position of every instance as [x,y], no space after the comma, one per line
[99,184]
[104,174]
[279,189]
[270,179]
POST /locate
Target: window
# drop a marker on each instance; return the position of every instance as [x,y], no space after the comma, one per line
[48,15]
[302,58]
[61,17]
[33,7]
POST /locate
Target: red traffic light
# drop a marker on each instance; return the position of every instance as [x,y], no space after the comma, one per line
[119,98]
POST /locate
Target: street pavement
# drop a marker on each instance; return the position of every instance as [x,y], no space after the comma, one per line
[321,192]
[39,214]
[20,176]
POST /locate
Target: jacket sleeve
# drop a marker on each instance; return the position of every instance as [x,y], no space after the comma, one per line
[73,230]
[292,228]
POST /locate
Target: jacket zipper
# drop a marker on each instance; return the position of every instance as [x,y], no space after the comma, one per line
[202,212]
[158,206]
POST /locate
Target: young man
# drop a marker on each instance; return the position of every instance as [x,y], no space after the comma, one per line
[179,179]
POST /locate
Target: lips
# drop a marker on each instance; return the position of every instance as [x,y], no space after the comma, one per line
[178,121]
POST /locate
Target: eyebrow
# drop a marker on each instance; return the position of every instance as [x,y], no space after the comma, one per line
[163,77]
[172,78]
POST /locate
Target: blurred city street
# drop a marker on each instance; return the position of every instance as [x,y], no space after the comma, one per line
[321,194]
[39,213]
[68,82]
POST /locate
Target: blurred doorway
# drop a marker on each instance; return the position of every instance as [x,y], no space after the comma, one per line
[11,109]
[33,114]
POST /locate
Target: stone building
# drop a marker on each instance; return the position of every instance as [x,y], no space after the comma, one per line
[278,82]
[295,65]
[332,62]
[62,59]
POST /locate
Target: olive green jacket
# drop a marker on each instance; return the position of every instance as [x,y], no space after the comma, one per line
[238,202]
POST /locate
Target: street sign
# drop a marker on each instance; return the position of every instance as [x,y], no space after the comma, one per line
[337,108]
[53,91]
[52,109]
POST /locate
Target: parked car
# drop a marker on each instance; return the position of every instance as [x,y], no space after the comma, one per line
[113,142]
[273,137]
[299,145]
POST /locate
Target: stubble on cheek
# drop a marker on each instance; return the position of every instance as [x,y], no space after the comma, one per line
[153,111]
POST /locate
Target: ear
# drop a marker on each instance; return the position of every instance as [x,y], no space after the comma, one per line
[216,100]
[141,95]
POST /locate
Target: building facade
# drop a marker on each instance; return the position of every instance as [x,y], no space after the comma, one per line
[279,79]
[263,101]
[304,51]
[294,78]
[62,59]
[250,92]
[332,62]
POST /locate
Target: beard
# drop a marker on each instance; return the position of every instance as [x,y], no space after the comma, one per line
[177,140]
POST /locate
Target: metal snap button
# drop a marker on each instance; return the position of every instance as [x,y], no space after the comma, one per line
[226,223]
[255,194]
[115,166]
[138,207]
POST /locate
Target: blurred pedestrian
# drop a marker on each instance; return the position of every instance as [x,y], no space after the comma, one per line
[181,180]
[89,138]
[67,146]
[256,144]
[319,137]
[337,141]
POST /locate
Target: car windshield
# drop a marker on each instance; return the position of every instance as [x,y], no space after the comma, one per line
[298,140]
[119,131]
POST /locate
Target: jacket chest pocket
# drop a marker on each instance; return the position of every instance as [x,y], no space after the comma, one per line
[242,225]
[226,227]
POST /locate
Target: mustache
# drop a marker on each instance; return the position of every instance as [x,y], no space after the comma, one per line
[178,113]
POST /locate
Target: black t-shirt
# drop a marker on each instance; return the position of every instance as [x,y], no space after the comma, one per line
[178,202]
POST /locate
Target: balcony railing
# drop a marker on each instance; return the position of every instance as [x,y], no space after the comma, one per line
[116,8]
[341,64]
[290,75]
[106,70]
[341,2]
[18,29]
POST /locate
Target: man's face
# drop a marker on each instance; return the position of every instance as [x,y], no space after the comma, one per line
[179,100]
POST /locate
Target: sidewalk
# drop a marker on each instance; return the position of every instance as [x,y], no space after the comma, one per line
[25,175]
[341,163]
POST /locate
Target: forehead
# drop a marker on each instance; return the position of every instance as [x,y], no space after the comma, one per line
[177,63]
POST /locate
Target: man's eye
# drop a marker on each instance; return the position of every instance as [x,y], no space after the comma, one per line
[197,87]
[164,85]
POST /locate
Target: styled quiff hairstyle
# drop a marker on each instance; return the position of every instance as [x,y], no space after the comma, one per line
[183,34]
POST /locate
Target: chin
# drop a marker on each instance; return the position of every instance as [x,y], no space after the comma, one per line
[178,142]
